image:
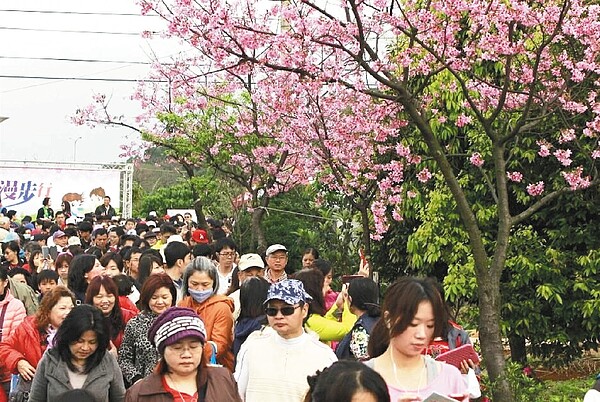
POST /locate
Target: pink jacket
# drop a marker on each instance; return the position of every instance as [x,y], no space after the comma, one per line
[14,316]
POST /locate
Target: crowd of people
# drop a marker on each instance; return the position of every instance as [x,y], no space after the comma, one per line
[158,309]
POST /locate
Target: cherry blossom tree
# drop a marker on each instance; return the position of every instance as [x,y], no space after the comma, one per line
[523,75]
[205,127]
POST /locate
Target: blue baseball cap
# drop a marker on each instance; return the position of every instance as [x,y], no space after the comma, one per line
[290,291]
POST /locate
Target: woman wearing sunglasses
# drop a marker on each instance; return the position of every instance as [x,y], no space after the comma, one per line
[200,284]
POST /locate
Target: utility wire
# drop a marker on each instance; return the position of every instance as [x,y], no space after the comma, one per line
[76,60]
[78,13]
[33,77]
[71,31]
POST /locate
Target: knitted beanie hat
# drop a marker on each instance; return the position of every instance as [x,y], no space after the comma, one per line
[174,324]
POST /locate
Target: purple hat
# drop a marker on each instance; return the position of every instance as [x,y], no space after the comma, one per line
[290,291]
[57,234]
[29,226]
[174,324]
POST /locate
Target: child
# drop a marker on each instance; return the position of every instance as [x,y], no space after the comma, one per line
[47,280]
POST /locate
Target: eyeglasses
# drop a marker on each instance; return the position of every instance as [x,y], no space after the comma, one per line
[287,310]
[227,254]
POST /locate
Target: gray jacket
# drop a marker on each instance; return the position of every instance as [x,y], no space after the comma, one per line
[105,381]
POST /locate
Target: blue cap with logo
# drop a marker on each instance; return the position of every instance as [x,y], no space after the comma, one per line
[290,291]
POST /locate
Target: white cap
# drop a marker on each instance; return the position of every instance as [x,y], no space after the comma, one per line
[250,261]
[173,238]
[74,241]
[275,247]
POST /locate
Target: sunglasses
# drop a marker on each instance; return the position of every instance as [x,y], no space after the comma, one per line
[287,310]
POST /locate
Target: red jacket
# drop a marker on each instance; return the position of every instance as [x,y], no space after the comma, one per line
[125,302]
[25,342]
[127,315]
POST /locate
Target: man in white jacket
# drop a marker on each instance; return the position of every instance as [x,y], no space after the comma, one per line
[273,365]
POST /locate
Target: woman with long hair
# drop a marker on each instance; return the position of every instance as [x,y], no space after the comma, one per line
[104,294]
[182,373]
[137,357]
[22,350]
[412,315]
[320,320]
[253,294]
[10,255]
[80,272]
[79,360]
[363,298]
[200,284]
[61,266]
[149,264]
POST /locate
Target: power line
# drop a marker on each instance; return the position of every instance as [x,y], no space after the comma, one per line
[75,60]
[71,31]
[79,13]
[33,77]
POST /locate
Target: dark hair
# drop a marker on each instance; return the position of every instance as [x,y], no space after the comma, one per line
[313,281]
[62,257]
[343,380]
[365,296]
[253,294]
[124,284]
[400,305]
[26,274]
[200,264]
[322,265]
[152,284]
[235,281]
[47,275]
[131,251]
[312,251]
[79,266]
[11,245]
[3,273]
[203,250]
[112,256]
[81,319]
[167,228]
[115,319]
[42,315]
[85,226]
[66,207]
[147,259]
[99,232]
[32,256]
[45,201]
[225,242]
[70,231]
[174,251]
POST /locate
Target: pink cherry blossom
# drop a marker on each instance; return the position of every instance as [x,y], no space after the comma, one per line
[515,176]
[535,189]
[563,156]
[462,120]
[424,175]
[476,159]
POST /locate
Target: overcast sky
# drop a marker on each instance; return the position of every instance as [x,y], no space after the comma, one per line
[38,110]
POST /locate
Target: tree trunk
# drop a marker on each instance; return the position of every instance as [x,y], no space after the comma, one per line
[366,234]
[258,235]
[489,336]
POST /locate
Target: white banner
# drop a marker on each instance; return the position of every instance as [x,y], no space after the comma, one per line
[24,188]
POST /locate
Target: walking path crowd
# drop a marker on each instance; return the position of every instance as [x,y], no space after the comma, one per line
[157,309]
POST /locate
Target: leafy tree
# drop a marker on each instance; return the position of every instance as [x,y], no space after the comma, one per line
[520,66]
